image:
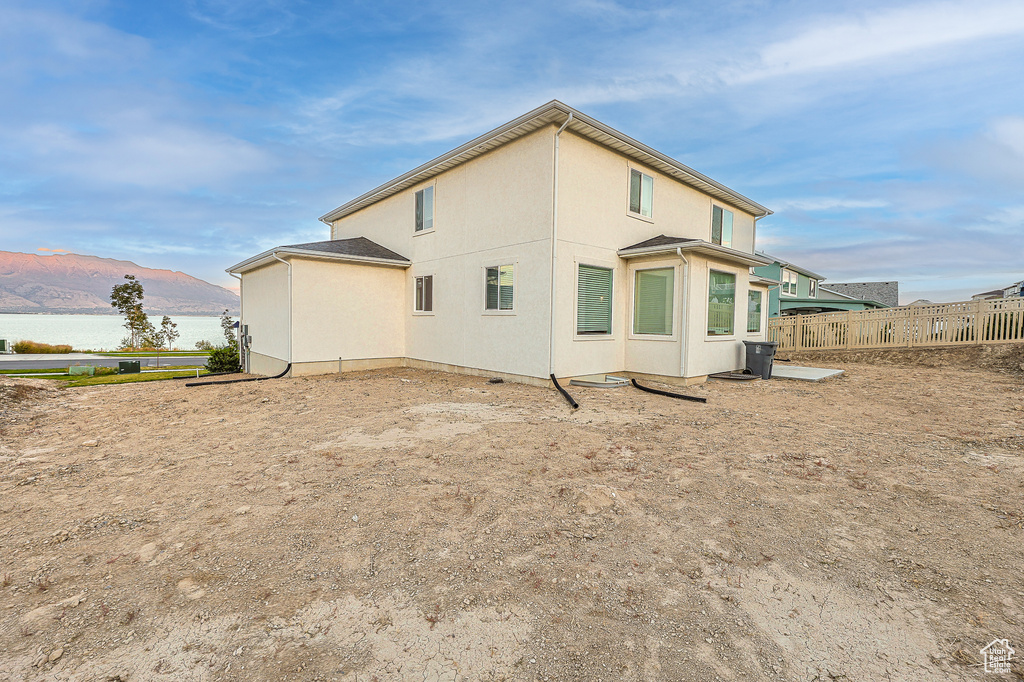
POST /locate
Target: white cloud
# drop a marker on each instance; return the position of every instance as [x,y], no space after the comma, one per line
[826,204]
[836,42]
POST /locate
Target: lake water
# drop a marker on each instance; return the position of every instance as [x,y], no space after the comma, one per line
[101,332]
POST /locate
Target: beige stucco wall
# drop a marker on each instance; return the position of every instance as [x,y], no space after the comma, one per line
[493,210]
[594,223]
[346,311]
[265,310]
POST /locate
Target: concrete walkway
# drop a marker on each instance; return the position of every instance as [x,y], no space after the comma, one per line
[780,371]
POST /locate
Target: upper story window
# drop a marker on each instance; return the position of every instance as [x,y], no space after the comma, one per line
[789,280]
[721,226]
[424,300]
[500,293]
[813,293]
[425,209]
[641,193]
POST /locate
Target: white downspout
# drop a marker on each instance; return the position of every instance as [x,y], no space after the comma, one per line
[554,250]
[685,309]
[290,331]
[238,336]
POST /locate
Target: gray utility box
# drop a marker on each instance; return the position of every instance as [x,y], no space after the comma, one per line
[129,367]
[760,357]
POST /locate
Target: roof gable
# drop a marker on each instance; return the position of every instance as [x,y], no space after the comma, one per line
[554,112]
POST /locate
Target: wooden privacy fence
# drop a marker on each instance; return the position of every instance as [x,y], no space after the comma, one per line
[947,324]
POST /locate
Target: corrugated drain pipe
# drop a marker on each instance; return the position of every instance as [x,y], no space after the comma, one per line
[239,381]
[572,401]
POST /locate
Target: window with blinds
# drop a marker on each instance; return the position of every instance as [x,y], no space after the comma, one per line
[500,288]
[652,301]
[721,303]
[594,300]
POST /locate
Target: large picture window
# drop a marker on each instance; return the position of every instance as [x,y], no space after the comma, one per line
[721,226]
[594,300]
[425,209]
[424,294]
[753,311]
[500,293]
[721,303]
[652,301]
[641,193]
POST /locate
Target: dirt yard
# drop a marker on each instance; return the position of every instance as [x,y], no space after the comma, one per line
[402,524]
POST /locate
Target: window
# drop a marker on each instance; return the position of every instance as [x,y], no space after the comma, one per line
[425,209]
[721,226]
[789,280]
[652,301]
[424,294]
[594,300]
[753,311]
[641,191]
[721,303]
[500,281]
[813,293]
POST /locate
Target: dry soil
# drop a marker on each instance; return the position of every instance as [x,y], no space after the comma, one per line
[402,524]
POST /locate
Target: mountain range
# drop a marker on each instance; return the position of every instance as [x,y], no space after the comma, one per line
[72,283]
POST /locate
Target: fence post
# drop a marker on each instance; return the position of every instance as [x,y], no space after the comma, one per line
[849,329]
[798,332]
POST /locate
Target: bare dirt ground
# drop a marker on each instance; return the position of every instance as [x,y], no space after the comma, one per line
[401,524]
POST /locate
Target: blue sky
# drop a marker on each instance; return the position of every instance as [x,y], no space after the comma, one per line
[887,137]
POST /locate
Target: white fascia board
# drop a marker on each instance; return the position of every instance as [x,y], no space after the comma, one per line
[702,247]
[552,112]
[268,257]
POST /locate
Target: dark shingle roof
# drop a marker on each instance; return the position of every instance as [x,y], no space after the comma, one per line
[883,292]
[660,240]
[357,246]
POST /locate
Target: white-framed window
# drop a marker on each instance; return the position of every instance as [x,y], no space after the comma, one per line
[499,285]
[721,226]
[653,295]
[753,312]
[789,280]
[423,300]
[641,193]
[425,209]
[721,303]
[813,291]
[593,300]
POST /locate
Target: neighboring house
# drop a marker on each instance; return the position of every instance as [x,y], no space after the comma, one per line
[886,293]
[1014,290]
[553,244]
[799,291]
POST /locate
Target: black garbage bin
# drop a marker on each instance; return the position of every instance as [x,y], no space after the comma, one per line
[129,367]
[759,357]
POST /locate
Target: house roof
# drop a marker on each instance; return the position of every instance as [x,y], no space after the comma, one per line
[887,293]
[790,266]
[356,250]
[667,245]
[554,112]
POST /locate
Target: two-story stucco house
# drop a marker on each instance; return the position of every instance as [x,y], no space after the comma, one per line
[552,245]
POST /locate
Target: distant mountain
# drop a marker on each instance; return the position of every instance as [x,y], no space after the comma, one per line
[70,283]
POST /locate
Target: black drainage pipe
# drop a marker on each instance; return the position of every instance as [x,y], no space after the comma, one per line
[205,376]
[572,401]
[670,395]
[239,381]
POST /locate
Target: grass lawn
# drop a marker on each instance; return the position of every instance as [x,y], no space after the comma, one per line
[147,354]
[74,381]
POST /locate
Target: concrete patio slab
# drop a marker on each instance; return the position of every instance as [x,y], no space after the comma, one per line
[803,373]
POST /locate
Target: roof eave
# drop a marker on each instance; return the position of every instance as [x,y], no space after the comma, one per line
[700,246]
[268,257]
[534,120]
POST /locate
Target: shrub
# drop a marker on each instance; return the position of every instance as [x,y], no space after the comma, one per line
[224,359]
[34,347]
[204,345]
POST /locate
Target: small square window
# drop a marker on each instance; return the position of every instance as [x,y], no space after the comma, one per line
[721,226]
[425,209]
[641,192]
[424,302]
[500,287]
